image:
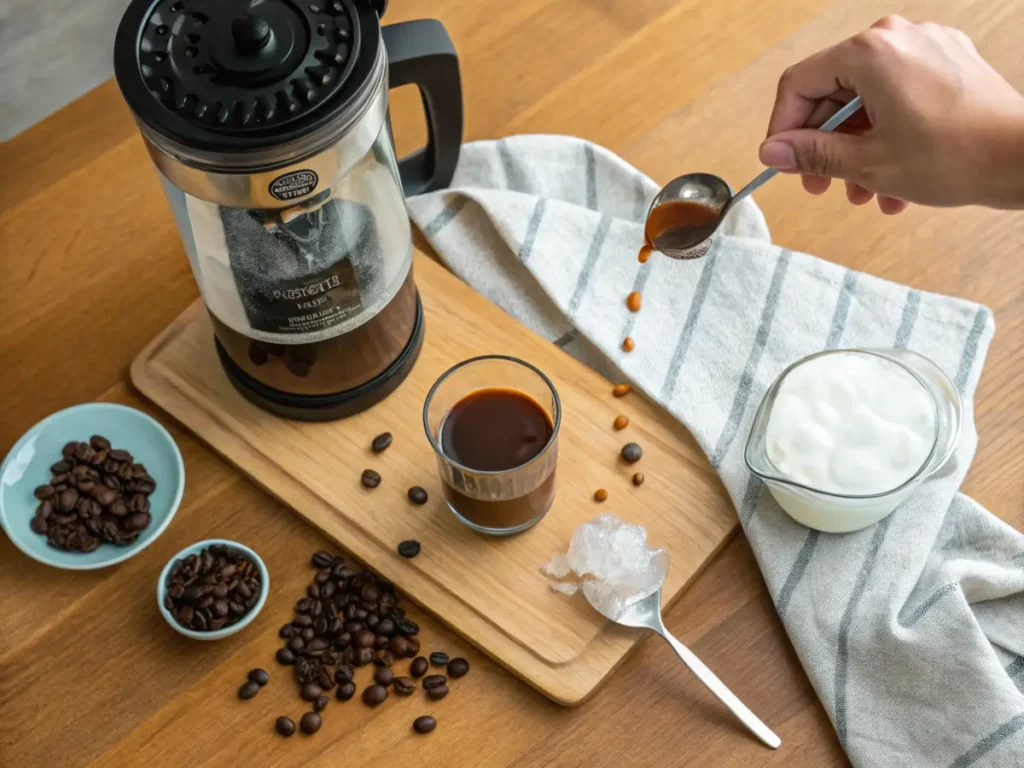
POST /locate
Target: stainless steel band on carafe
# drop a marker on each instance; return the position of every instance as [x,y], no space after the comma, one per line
[268,126]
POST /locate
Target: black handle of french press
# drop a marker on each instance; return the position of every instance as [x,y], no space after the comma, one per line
[421,53]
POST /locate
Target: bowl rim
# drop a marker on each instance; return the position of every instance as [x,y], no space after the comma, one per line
[216,634]
[131,550]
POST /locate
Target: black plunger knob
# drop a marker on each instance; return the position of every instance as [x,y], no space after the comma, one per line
[251,34]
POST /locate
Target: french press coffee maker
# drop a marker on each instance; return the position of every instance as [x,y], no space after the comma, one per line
[267,121]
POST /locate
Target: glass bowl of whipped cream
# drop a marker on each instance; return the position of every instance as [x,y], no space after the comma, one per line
[842,437]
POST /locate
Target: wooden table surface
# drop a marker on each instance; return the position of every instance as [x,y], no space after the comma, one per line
[92,269]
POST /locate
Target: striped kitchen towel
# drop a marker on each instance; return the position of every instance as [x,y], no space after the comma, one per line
[912,630]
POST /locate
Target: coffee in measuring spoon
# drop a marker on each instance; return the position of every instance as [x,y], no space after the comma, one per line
[677,225]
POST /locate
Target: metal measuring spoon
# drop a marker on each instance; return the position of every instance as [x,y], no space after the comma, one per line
[646,614]
[713,192]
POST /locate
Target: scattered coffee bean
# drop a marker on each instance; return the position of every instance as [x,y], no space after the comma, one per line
[404,686]
[439,658]
[621,390]
[418,668]
[343,674]
[196,606]
[417,495]
[310,722]
[621,422]
[259,676]
[375,695]
[438,692]
[638,478]
[432,681]
[310,691]
[627,343]
[363,656]
[384,676]
[384,658]
[409,549]
[370,478]
[92,490]
[248,690]
[631,453]
[424,724]
[346,691]
[284,726]
[321,703]
[601,494]
[381,442]
[458,667]
[633,301]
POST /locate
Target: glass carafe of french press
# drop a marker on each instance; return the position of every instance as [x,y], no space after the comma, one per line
[267,121]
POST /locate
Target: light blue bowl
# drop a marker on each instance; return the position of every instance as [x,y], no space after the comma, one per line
[246,620]
[28,466]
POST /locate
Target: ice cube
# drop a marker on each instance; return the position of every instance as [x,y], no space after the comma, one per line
[612,560]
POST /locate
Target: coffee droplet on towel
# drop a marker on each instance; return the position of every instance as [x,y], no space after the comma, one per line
[621,390]
[628,344]
[600,494]
[621,422]
[633,301]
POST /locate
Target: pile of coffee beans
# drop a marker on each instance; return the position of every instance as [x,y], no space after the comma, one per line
[212,589]
[96,493]
[351,618]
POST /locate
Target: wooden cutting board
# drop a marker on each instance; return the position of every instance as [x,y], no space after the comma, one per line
[489,590]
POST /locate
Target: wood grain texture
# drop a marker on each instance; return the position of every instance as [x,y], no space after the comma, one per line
[490,591]
[89,673]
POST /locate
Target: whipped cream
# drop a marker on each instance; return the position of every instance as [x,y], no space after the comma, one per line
[851,423]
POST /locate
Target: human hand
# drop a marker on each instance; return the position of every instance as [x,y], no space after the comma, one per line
[939,125]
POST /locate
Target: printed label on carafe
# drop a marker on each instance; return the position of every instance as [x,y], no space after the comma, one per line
[299,271]
[306,304]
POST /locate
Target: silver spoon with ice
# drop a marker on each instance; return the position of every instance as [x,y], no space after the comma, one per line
[621,578]
[646,614]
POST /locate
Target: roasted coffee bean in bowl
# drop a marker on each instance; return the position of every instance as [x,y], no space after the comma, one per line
[213,589]
[90,486]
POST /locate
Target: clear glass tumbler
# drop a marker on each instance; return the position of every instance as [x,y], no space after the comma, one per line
[498,500]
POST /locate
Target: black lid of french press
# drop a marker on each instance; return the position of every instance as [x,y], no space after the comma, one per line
[236,75]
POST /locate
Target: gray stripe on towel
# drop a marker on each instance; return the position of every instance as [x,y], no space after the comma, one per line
[842,310]
[515,176]
[990,742]
[566,338]
[846,624]
[971,348]
[700,293]
[906,328]
[746,385]
[526,249]
[445,217]
[927,605]
[591,163]
[640,206]
[596,246]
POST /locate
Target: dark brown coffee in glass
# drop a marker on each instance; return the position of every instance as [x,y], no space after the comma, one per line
[493,423]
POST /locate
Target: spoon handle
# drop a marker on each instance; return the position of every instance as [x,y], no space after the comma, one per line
[717,687]
[829,125]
